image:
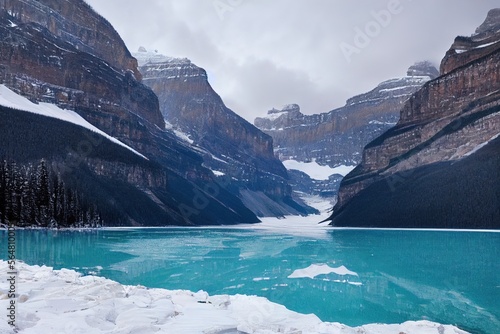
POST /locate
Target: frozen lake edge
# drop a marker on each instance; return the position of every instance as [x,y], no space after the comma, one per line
[63,301]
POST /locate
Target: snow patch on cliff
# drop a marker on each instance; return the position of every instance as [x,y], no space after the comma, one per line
[181,135]
[10,99]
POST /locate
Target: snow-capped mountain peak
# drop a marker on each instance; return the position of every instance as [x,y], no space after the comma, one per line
[145,56]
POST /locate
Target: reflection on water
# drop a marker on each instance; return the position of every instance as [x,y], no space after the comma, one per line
[449,277]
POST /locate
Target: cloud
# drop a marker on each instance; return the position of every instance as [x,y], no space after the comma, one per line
[262,84]
[262,54]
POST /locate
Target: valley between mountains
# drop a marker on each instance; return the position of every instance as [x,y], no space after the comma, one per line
[136,198]
[111,125]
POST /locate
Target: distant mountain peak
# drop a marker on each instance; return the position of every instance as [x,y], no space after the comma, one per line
[423,68]
[291,107]
[485,40]
[290,110]
[491,23]
[145,56]
[336,138]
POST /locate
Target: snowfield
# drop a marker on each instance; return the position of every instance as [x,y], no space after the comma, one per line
[63,301]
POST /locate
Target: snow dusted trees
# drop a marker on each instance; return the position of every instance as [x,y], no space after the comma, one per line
[36,196]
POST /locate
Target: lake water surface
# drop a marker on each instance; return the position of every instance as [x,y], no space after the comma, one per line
[443,276]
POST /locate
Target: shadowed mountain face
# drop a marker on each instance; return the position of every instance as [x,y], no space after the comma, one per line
[337,137]
[232,148]
[439,165]
[63,53]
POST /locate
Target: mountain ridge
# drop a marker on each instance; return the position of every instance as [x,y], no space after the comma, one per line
[336,138]
[47,65]
[451,118]
[231,147]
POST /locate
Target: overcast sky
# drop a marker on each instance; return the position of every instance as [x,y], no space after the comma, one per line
[261,54]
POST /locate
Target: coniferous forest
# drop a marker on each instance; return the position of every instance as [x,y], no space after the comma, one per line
[34,195]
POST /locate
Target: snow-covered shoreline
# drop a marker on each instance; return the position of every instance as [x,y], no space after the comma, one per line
[63,301]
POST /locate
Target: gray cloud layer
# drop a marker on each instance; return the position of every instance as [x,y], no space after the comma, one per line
[261,54]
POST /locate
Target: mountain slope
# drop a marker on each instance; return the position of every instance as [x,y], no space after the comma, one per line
[44,62]
[444,141]
[336,138]
[90,163]
[464,194]
[234,149]
[14,101]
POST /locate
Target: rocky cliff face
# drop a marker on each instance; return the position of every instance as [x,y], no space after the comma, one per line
[451,118]
[76,23]
[467,49]
[337,137]
[62,52]
[44,67]
[231,147]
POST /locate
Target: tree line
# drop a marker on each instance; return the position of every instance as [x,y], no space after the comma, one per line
[33,195]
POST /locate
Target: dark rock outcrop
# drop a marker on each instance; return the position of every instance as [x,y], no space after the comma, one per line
[338,137]
[423,68]
[441,129]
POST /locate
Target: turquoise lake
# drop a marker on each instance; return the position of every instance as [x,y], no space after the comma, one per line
[443,276]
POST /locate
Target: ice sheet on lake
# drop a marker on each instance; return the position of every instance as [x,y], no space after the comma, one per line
[320,269]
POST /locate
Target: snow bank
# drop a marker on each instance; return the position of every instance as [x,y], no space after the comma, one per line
[10,99]
[62,301]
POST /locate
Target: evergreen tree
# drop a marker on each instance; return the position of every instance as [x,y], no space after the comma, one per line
[32,195]
[62,217]
[26,198]
[3,192]
[8,205]
[43,195]
[17,193]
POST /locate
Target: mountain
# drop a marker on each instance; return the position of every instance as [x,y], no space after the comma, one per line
[239,154]
[62,55]
[439,166]
[76,23]
[334,140]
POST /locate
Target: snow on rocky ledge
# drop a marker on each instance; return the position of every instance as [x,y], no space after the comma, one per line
[62,301]
[10,99]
